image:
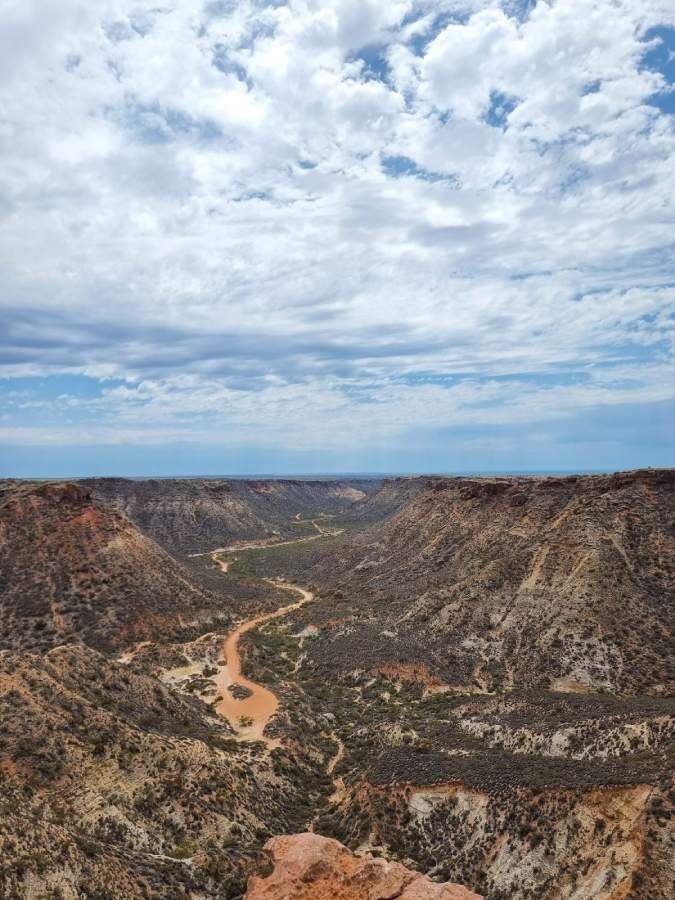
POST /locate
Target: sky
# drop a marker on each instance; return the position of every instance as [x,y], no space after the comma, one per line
[241,236]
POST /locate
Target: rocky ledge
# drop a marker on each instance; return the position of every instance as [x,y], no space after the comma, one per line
[310,867]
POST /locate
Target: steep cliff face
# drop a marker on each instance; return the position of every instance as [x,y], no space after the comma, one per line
[391,495]
[194,515]
[72,569]
[560,843]
[310,867]
[493,583]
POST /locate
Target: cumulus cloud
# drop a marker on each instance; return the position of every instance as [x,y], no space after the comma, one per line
[321,223]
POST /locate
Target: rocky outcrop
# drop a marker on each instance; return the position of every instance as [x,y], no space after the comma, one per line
[310,867]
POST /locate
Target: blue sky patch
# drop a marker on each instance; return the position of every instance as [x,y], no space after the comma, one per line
[152,124]
[501,105]
[419,42]
[592,87]
[400,166]
[53,386]
[374,59]
[661,58]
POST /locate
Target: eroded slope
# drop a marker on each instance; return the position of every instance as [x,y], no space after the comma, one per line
[196,515]
[114,786]
[73,569]
[495,583]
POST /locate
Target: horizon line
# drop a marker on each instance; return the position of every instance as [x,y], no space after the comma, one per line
[335,475]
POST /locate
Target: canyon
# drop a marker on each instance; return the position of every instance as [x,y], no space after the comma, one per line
[450,684]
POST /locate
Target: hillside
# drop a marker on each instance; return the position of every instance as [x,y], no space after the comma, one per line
[196,515]
[496,583]
[114,786]
[73,569]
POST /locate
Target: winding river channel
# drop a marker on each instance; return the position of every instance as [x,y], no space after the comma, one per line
[250,714]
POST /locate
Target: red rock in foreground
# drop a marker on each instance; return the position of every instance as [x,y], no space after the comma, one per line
[310,867]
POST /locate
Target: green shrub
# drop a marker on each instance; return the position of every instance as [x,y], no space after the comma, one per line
[185,849]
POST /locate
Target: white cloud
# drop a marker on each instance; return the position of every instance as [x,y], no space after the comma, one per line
[251,210]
